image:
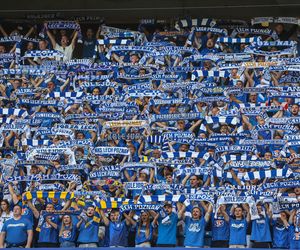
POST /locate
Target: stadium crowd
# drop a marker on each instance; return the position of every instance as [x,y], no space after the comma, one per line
[183,134]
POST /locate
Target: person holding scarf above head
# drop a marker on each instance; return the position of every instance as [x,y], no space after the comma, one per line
[238,225]
[280,231]
[195,227]
[65,48]
[48,236]
[260,234]
[118,229]
[88,229]
[167,225]
[220,228]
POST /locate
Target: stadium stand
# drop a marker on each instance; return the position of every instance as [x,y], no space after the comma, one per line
[181,135]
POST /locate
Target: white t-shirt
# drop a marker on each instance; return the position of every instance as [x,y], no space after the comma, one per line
[68,51]
[4,217]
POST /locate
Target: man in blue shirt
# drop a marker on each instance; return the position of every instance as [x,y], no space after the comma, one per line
[238,227]
[17,231]
[280,231]
[167,225]
[88,229]
[260,234]
[118,229]
[220,228]
[195,227]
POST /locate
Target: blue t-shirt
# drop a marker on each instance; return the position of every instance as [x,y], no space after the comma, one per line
[140,236]
[16,230]
[220,228]
[48,233]
[88,48]
[194,232]
[28,214]
[68,234]
[294,238]
[118,234]
[167,229]
[280,235]
[88,232]
[238,230]
[261,230]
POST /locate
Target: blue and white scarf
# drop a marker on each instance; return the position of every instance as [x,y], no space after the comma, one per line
[188,23]
[177,116]
[15,112]
[63,25]
[111,151]
[85,127]
[35,143]
[208,73]
[274,173]
[43,54]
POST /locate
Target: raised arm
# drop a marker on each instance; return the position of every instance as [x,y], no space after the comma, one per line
[51,37]
[104,218]
[48,219]
[3,31]
[208,213]
[238,181]
[35,212]
[185,179]
[13,194]
[292,215]
[224,213]
[128,219]
[246,207]
[181,210]
[67,81]
[74,39]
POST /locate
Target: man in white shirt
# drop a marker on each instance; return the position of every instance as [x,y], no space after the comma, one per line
[64,47]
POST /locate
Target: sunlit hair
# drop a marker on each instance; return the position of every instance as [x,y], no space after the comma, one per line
[63,225]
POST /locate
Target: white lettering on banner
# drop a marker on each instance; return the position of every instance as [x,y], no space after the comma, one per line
[194,227]
[237,226]
[16,225]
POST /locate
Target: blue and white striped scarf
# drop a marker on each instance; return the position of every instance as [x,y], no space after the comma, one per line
[180,154]
[244,157]
[231,40]
[114,41]
[163,198]
[74,95]
[188,23]
[15,112]
[34,143]
[274,173]
[209,73]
